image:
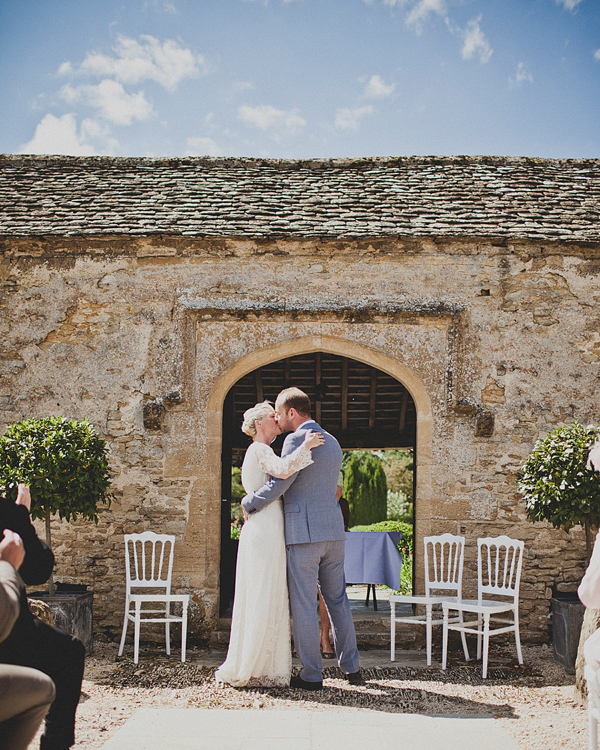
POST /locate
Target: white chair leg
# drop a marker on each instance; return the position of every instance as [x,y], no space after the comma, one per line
[517,638]
[428,629]
[184,631]
[124,633]
[479,621]
[486,643]
[445,639]
[167,629]
[136,633]
[392,631]
[463,636]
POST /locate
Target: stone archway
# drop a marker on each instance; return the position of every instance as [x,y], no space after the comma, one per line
[350,350]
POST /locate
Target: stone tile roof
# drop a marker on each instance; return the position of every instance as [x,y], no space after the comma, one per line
[498,197]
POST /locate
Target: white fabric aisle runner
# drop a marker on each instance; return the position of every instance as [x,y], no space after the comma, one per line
[256,729]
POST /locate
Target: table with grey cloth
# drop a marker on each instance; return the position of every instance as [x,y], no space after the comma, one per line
[372,557]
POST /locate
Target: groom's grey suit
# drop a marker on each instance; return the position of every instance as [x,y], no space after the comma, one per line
[315,540]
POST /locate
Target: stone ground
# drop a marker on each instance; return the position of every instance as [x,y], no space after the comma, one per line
[535,703]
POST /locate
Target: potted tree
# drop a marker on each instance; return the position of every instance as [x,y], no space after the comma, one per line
[65,463]
[558,487]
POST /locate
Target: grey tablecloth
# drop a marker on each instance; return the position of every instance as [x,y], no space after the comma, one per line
[372,557]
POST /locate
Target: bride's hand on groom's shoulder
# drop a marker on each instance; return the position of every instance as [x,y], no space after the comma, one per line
[313,439]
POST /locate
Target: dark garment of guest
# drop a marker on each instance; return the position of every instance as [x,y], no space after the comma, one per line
[32,643]
[25,694]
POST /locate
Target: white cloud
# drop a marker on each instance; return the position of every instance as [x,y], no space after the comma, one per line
[167,63]
[597,54]
[58,135]
[421,10]
[113,102]
[376,88]
[521,76]
[165,6]
[266,117]
[568,4]
[202,147]
[475,42]
[65,69]
[349,119]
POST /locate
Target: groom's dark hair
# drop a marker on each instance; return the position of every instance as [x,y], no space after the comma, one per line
[294,398]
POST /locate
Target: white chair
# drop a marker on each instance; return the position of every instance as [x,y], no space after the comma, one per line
[499,562]
[148,567]
[444,558]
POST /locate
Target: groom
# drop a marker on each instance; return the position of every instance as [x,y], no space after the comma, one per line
[315,540]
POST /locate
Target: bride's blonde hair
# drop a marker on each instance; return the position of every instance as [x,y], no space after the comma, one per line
[260,411]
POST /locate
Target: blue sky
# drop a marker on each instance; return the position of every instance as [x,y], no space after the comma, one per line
[300,78]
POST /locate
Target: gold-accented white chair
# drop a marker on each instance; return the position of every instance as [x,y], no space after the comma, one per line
[148,569]
[444,558]
[499,563]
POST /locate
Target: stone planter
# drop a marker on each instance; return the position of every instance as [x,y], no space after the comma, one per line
[567,618]
[71,608]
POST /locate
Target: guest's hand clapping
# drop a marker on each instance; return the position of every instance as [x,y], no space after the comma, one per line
[11,549]
[23,496]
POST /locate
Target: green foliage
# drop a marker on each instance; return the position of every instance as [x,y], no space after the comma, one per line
[236,528]
[237,490]
[405,547]
[63,461]
[365,487]
[399,508]
[406,576]
[398,466]
[555,482]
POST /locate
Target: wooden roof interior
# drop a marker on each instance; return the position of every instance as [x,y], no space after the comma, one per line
[359,404]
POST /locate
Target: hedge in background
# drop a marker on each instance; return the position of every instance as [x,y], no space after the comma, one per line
[365,487]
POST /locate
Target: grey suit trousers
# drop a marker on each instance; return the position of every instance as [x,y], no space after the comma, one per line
[25,697]
[307,564]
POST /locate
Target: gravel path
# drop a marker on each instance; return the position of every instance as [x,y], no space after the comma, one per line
[535,703]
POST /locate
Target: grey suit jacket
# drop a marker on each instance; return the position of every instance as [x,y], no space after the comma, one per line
[10,591]
[312,513]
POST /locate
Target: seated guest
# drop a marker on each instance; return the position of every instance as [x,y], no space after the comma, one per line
[33,643]
[25,694]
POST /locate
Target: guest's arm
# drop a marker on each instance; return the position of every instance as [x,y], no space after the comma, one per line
[11,557]
[39,560]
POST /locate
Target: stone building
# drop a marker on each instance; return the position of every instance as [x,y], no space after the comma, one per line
[451,305]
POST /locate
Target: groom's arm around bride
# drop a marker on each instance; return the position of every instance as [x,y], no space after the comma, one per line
[315,540]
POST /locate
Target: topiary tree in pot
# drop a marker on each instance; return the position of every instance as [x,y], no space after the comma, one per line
[559,487]
[556,483]
[64,462]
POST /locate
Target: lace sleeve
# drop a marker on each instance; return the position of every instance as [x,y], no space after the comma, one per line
[279,467]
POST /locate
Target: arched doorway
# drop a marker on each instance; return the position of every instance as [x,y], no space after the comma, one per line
[362,405]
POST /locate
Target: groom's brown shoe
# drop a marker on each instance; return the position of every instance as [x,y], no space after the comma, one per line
[298,682]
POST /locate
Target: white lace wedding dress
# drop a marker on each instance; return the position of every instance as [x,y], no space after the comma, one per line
[260,646]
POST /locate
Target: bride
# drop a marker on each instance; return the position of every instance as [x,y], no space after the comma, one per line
[259,646]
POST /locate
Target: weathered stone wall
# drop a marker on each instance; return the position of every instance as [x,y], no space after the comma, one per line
[497,343]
